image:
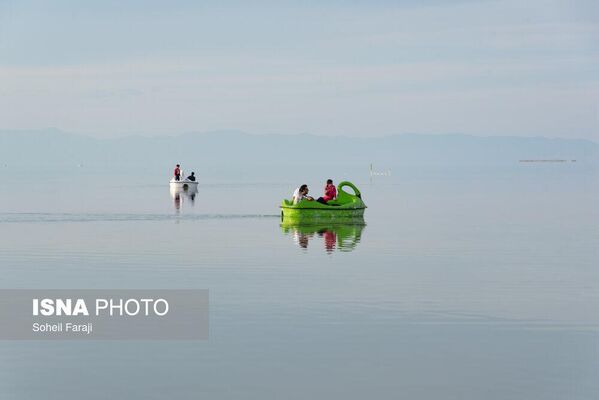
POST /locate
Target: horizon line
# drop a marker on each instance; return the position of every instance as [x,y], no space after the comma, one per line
[247,133]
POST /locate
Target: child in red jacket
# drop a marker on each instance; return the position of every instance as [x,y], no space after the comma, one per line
[330,192]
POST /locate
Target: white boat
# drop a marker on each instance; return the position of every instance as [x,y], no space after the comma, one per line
[184,184]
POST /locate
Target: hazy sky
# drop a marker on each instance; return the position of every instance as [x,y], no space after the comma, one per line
[359,68]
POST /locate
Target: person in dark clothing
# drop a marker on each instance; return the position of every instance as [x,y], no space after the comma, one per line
[192,177]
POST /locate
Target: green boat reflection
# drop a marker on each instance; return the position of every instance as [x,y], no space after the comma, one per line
[333,236]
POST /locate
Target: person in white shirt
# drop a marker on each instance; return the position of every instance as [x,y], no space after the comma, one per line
[301,193]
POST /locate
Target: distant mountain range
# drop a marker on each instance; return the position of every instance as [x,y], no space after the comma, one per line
[238,150]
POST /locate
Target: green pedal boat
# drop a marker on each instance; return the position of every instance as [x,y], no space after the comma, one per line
[346,207]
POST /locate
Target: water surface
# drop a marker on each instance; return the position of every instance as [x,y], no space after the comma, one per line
[459,285]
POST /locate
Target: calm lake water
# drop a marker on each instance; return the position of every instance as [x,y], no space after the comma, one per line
[469,284]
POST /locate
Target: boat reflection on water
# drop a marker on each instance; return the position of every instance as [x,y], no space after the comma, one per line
[182,196]
[335,236]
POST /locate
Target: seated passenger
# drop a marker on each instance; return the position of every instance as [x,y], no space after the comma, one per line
[192,177]
[330,192]
[301,193]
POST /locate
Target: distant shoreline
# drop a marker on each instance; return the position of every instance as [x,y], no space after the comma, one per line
[544,161]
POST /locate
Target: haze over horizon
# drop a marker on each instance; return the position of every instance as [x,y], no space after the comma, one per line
[7,132]
[486,68]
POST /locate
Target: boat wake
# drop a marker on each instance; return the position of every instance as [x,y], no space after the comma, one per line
[70,217]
